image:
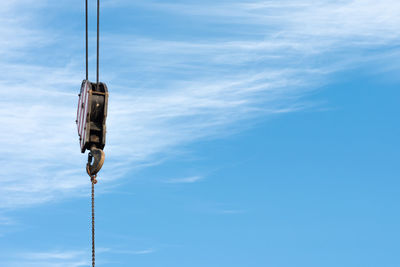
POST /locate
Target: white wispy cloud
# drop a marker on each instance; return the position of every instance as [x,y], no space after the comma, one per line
[5,221]
[232,211]
[166,92]
[129,252]
[358,21]
[55,255]
[65,258]
[185,180]
[68,258]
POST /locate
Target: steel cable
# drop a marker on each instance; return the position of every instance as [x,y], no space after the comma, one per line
[87,41]
[98,42]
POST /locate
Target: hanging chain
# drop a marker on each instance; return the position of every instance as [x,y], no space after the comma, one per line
[93,181]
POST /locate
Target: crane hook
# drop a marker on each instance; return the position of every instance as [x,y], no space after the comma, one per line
[98,156]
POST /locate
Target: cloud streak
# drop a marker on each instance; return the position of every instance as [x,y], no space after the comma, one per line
[166,93]
[47,259]
[128,252]
[186,180]
[65,258]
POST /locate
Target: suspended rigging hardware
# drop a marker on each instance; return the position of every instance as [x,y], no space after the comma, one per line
[91,118]
[92,111]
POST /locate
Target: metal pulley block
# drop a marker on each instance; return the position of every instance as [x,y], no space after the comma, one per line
[91,122]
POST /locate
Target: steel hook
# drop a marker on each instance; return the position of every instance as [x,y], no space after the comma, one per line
[98,156]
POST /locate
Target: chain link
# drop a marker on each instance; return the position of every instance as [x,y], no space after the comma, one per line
[93,182]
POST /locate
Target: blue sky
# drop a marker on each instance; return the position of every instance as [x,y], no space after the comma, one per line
[240,133]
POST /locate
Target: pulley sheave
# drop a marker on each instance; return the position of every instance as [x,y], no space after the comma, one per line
[92,115]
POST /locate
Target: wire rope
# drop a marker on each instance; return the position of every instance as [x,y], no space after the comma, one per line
[87,41]
[98,42]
